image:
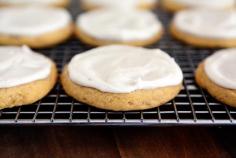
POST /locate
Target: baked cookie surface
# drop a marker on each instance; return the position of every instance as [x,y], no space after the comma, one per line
[26,77]
[218,77]
[177,5]
[36,27]
[104,78]
[204,28]
[107,26]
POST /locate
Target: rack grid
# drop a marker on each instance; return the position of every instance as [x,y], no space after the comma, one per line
[193,106]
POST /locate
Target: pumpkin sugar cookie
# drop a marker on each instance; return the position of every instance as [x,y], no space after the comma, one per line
[122,78]
[217,75]
[26,76]
[177,5]
[37,27]
[114,26]
[204,28]
[53,3]
[123,4]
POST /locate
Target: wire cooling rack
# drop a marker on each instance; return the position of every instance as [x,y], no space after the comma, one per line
[192,106]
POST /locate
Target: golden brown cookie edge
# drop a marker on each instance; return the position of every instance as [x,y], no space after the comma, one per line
[61,4]
[85,38]
[143,6]
[171,6]
[200,41]
[42,41]
[222,94]
[137,100]
[28,93]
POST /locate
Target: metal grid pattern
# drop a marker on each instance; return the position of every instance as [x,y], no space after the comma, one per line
[192,106]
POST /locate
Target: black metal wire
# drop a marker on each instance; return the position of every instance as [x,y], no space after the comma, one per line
[192,106]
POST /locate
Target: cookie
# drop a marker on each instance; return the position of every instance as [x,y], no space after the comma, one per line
[122,78]
[108,26]
[54,3]
[127,4]
[26,76]
[177,5]
[217,75]
[204,28]
[36,27]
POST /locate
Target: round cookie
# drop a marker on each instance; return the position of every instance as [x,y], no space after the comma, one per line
[123,4]
[204,28]
[150,80]
[36,27]
[177,5]
[108,26]
[54,3]
[26,77]
[210,77]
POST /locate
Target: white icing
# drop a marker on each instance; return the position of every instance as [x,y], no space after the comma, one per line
[207,23]
[30,2]
[118,3]
[119,25]
[221,68]
[124,69]
[20,65]
[214,4]
[32,21]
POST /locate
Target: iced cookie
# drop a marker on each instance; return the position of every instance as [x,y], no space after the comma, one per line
[176,5]
[108,26]
[217,75]
[120,4]
[36,27]
[122,78]
[205,28]
[56,3]
[26,76]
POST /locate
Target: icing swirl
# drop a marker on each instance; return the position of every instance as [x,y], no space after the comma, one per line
[124,69]
[220,68]
[119,25]
[32,21]
[204,23]
[20,65]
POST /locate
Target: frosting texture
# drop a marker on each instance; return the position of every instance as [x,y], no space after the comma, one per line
[221,68]
[118,3]
[20,65]
[207,23]
[119,25]
[124,69]
[214,4]
[32,21]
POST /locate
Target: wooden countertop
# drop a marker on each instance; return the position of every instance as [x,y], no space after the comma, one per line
[93,142]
